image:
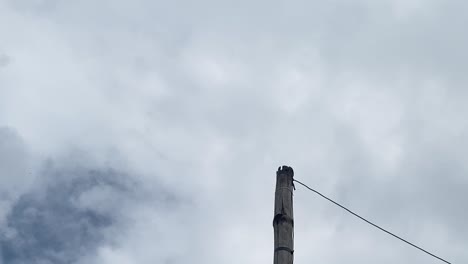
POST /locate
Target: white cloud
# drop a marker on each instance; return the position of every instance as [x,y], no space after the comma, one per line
[364,99]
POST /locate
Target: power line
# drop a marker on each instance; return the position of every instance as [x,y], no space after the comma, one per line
[374,225]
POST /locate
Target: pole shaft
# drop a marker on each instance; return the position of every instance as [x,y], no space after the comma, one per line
[283,221]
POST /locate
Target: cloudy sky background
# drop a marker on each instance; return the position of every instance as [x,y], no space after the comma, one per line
[150,132]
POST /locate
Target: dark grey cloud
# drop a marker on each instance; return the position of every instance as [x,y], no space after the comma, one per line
[73,209]
[49,225]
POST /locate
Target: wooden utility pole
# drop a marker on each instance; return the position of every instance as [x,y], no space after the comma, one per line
[283,221]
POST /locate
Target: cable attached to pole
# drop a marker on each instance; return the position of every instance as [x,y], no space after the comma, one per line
[374,225]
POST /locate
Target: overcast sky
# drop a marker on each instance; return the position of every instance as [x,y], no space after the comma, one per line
[150,131]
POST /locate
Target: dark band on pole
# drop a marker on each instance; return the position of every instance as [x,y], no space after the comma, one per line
[282,218]
[284,249]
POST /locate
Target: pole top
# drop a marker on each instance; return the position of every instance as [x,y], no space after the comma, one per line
[285,170]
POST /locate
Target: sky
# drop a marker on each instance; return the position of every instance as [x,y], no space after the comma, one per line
[151,131]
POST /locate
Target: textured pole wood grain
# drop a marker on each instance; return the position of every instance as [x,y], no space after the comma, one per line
[283,221]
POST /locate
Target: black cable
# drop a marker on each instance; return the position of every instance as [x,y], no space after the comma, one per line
[369,222]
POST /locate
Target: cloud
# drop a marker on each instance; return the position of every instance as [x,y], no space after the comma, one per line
[4,60]
[16,167]
[72,212]
[49,226]
[201,102]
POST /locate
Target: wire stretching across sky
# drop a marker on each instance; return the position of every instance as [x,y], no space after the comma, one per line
[374,225]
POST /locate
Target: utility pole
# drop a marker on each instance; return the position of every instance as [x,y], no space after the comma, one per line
[283,221]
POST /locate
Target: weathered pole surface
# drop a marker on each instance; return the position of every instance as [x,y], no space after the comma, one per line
[283,221]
